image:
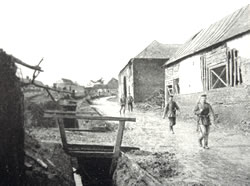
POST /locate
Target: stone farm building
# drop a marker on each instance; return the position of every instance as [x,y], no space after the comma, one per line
[216,61]
[144,74]
[100,90]
[112,86]
[67,84]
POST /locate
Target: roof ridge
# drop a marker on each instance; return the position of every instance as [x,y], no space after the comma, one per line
[227,27]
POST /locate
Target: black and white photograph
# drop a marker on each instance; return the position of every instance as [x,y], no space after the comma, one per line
[124,93]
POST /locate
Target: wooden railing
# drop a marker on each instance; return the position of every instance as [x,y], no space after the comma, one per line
[82,150]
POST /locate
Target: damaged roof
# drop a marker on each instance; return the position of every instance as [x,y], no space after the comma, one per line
[230,26]
[158,50]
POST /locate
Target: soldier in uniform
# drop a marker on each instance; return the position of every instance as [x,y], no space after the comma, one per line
[170,110]
[122,104]
[130,103]
[205,115]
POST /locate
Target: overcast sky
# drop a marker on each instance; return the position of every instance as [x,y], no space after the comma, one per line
[83,40]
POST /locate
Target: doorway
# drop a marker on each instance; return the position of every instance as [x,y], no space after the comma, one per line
[125,86]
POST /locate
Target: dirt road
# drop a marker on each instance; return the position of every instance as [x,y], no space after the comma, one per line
[227,161]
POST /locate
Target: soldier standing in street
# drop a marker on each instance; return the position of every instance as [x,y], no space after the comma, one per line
[170,110]
[122,104]
[205,115]
[130,103]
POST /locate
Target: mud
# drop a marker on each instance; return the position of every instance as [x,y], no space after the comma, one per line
[145,168]
[225,163]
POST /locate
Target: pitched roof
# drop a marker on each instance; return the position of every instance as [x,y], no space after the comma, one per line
[230,26]
[158,50]
[67,81]
[113,83]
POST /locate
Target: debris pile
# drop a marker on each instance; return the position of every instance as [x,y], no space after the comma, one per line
[46,164]
[145,168]
[154,102]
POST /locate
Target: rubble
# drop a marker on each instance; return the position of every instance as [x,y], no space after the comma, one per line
[154,102]
[145,168]
[46,164]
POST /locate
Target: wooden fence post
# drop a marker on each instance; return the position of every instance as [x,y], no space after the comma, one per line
[62,133]
[117,146]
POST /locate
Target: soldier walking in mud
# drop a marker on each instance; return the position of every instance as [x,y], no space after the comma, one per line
[205,115]
[122,104]
[170,110]
[130,103]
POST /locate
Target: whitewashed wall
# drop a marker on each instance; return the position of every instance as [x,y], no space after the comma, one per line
[242,44]
[190,75]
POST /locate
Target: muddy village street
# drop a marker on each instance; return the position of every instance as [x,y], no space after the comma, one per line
[227,161]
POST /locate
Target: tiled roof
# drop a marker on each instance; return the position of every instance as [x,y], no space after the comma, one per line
[228,27]
[158,50]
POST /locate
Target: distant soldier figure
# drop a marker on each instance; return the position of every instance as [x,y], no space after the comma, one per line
[205,115]
[123,104]
[130,103]
[170,110]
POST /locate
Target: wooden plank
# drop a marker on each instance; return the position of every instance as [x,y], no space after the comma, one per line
[91,154]
[62,133]
[222,62]
[59,112]
[209,79]
[238,68]
[227,69]
[108,118]
[235,67]
[117,147]
[84,130]
[68,104]
[205,74]
[202,71]
[101,148]
[232,64]
[119,136]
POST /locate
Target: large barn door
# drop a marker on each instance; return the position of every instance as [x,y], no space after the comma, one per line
[219,71]
[218,77]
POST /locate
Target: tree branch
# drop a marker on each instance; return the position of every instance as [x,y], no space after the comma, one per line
[18,61]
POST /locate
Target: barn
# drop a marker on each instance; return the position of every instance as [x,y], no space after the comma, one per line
[144,74]
[216,60]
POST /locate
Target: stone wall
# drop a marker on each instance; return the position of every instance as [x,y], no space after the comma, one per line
[231,105]
[148,77]
[126,73]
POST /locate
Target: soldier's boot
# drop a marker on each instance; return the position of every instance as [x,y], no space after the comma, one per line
[200,141]
[171,129]
[206,142]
